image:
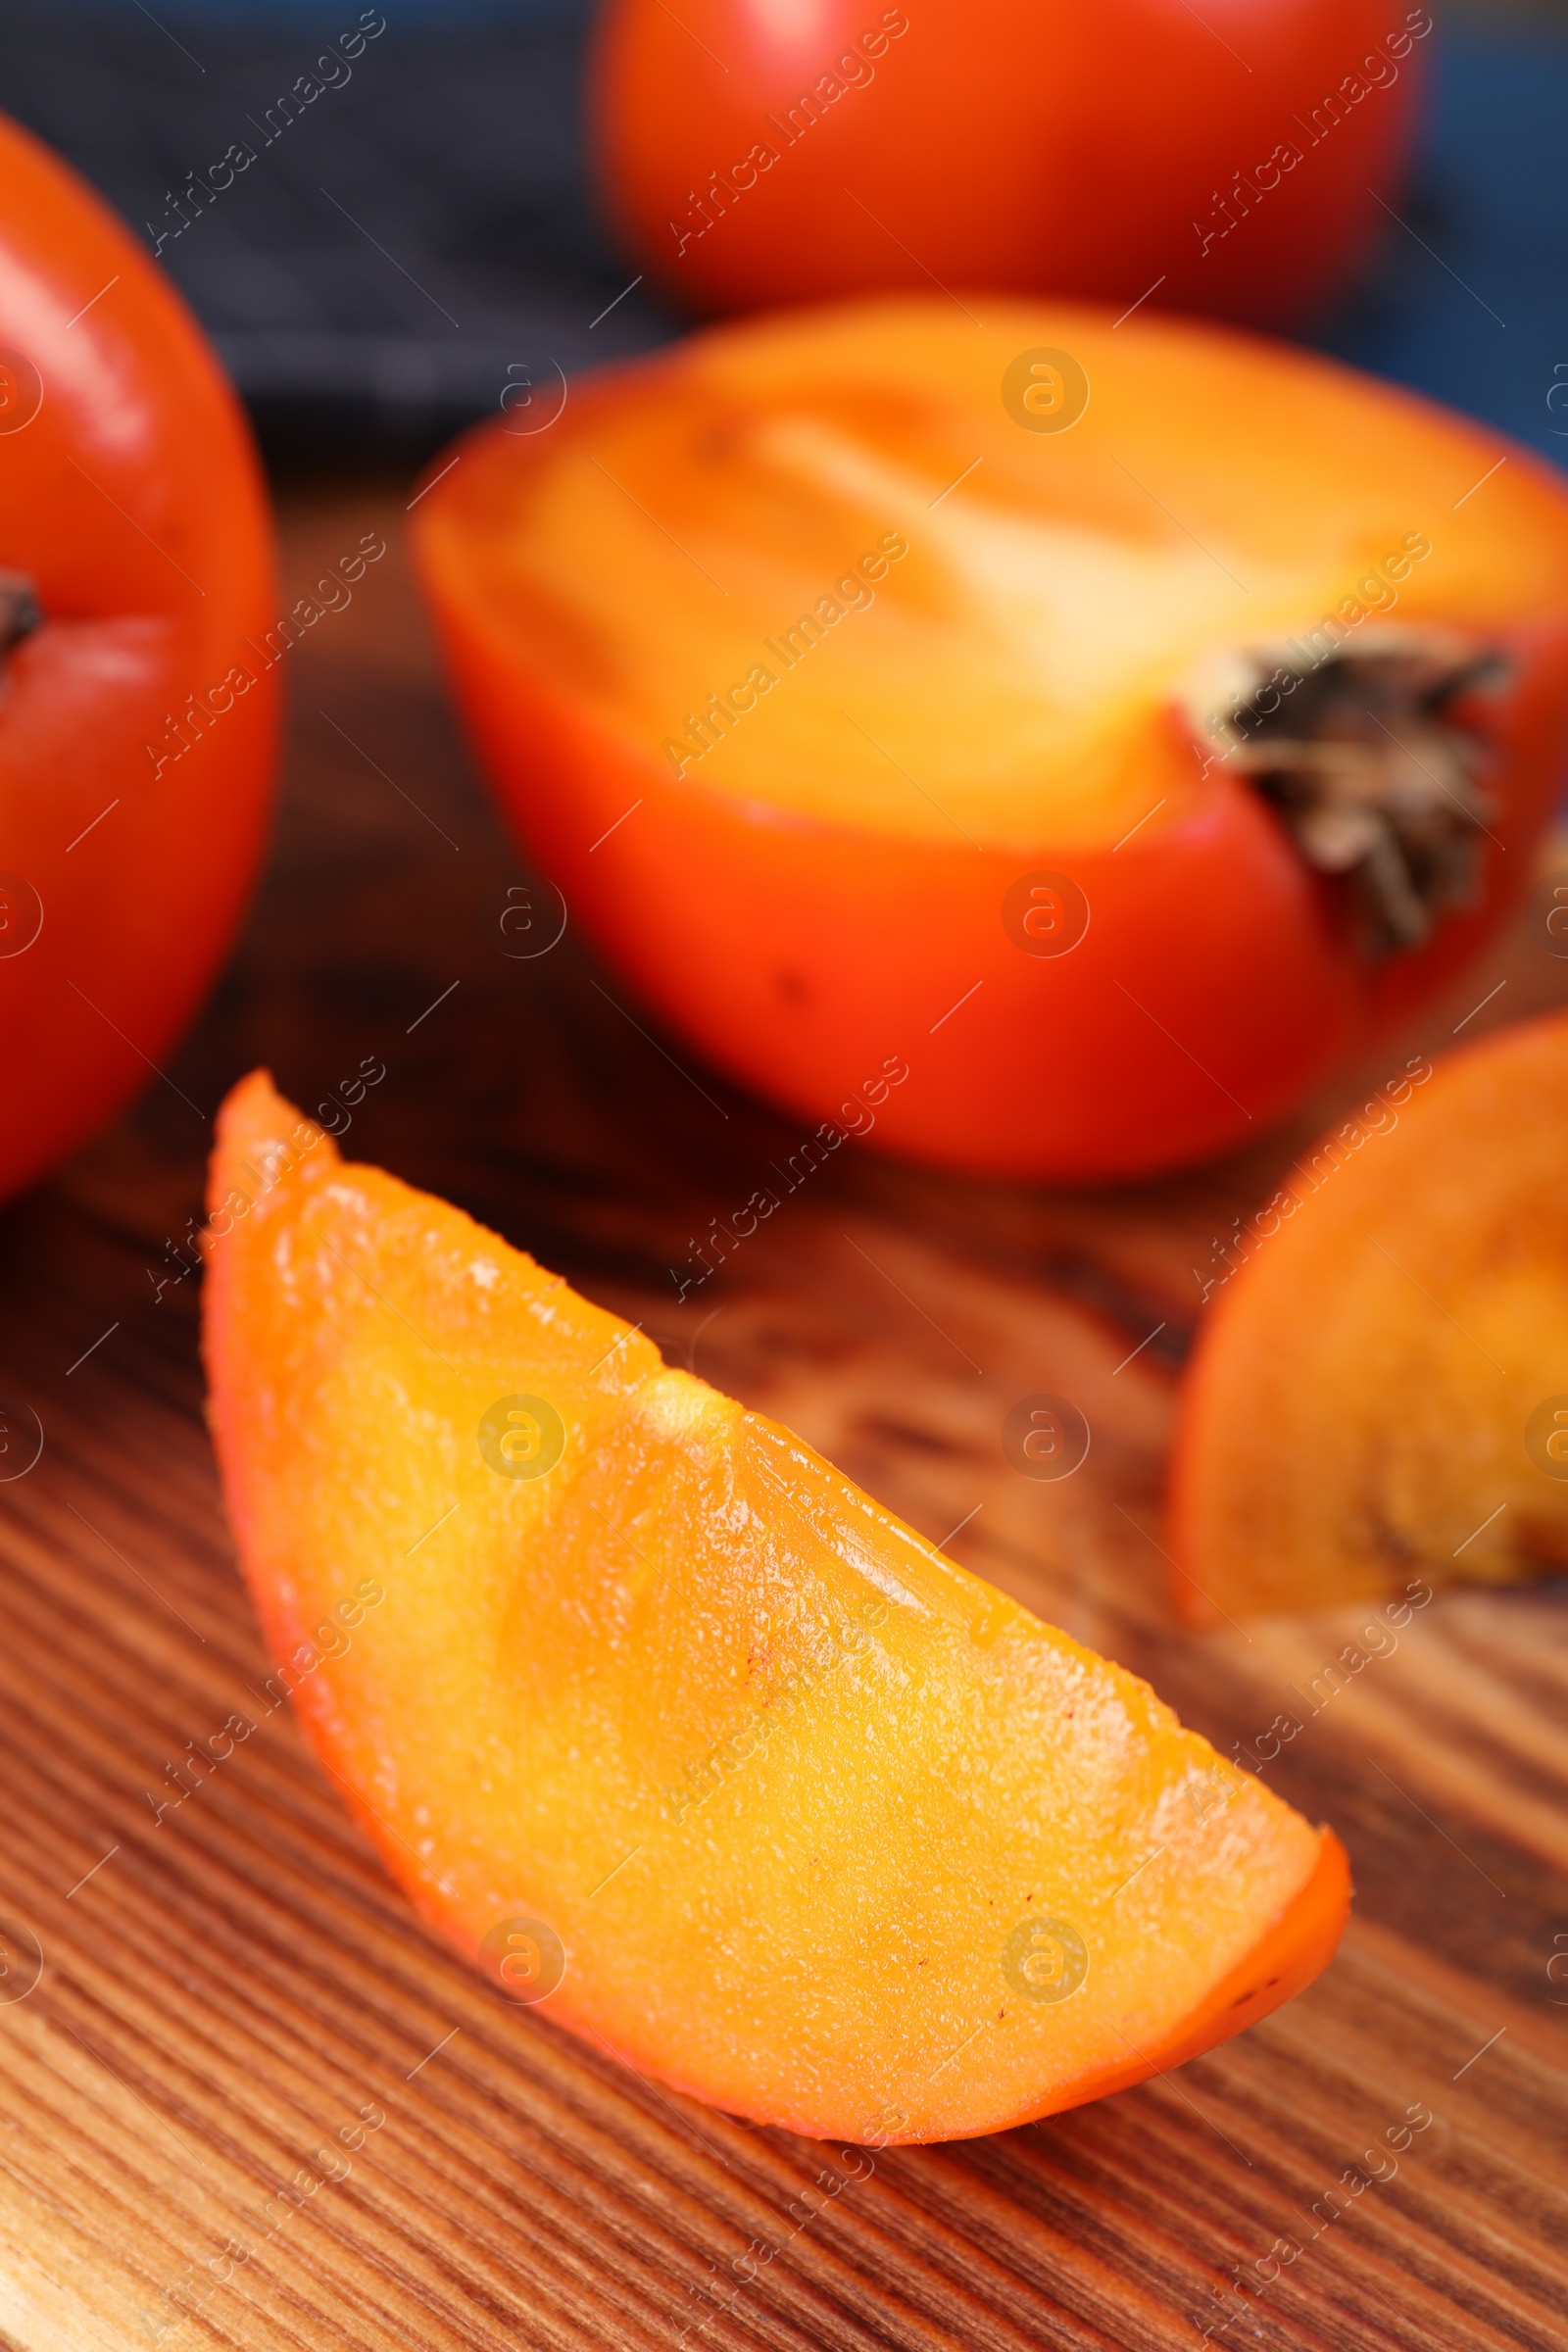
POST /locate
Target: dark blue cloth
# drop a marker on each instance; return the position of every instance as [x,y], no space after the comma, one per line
[446,182]
[1479,320]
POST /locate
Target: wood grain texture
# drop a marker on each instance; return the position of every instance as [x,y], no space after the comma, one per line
[231,1986]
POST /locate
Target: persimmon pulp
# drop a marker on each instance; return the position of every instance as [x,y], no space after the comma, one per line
[857,718]
[822,1828]
[1381,1388]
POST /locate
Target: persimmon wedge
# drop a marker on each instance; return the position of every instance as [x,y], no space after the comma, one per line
[812,1823]
[1381,1388]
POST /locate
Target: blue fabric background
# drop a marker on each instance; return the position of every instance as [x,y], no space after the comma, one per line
[1490,199]
[1469,303]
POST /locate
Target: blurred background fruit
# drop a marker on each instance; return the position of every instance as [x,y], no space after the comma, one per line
[1238,162]
[138,713]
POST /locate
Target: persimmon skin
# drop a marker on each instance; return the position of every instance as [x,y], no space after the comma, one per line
[1041,146]
[801,960]
[801,947]
[132,501]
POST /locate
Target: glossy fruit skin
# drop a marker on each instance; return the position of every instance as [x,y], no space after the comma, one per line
[661,1720]
[130,827]
[1036,146]
[1376,1405]
[1218,978]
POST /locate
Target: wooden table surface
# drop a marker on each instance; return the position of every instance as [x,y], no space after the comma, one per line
[226,1985]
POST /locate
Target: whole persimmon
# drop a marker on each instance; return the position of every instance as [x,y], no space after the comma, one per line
[1228,160]
[139,717]
[1043,744]
[662,1721]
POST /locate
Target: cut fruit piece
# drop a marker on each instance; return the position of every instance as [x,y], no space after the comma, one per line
[631,1689]
[1380,1393]
[1104,723]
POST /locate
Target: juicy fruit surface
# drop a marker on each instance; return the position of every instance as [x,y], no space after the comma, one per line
[833,887]
[789,1788]
[1373,1393]
[1010,672]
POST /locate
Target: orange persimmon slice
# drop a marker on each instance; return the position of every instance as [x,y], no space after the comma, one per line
[655,1715]
[1379,1391]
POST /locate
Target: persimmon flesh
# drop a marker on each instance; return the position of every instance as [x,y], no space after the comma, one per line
[819,1827]
[1113,778]
[1381,1388]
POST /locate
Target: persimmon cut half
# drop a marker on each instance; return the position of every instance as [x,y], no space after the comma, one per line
[657,1716]
[1111,720]
[1380,1386]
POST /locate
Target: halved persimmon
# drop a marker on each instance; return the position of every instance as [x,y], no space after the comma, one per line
[1380,1386]
[1107,721]
[658,1717]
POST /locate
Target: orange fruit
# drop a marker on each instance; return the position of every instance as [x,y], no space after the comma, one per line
[751,155]
[1063,739]
[141,652]
[663,1722]
[1380,1393]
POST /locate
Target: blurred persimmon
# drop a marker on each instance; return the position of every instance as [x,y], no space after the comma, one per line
[1228,160]
[138,715]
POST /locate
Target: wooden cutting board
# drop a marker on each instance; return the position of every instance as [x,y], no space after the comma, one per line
[233,2004]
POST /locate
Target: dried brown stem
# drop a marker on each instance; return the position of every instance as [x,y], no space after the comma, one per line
[20,612]
[1373,772]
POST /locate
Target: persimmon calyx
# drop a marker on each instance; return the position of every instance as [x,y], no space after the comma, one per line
[20,611]
[1374,772]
